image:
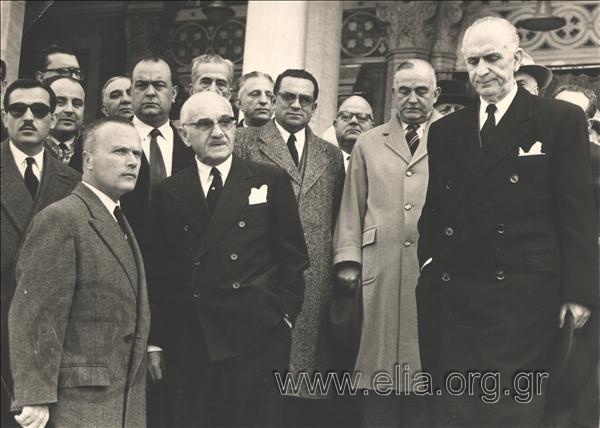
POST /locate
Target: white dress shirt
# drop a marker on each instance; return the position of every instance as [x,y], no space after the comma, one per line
[300,138]
[346,158]
[501,107]
[165,141]
[206,177]
[420,129]
[105,199]
[21,161]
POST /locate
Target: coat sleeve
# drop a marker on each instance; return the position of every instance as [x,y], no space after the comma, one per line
[290,246]
[38,316]
[571,177]
[428,224]
[347,239]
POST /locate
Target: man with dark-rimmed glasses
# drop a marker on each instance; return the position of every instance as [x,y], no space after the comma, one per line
[354,117]
[30,180]
[57,60]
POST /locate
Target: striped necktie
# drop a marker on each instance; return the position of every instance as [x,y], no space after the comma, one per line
[412,138]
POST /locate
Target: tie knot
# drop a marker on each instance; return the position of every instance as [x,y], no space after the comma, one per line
[490,109]
[291,139]
[155,133]
[215,172]
[117,211]
[30,161]
[413,126]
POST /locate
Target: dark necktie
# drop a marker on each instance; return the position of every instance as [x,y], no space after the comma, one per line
[157,165]
[31,180]
[120,219]
[412,138]
[291,143]
[212,197]
[64,150]
[490,123]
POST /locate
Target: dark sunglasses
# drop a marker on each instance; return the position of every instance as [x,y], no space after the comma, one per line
[39,110]
[289,97]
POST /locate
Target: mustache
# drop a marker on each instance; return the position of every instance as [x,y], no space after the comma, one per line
[28,126]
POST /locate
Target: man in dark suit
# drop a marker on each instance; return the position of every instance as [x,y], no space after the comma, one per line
[65,141]
[316,169]
[226,283]
[507,240]
[30,180]
[79,319]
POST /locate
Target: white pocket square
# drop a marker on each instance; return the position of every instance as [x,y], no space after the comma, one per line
[535,150]
[258,196]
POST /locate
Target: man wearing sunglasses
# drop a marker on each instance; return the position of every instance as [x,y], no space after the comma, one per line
[316,169]
[30,180]
[376,236]
[225,276]
[57,60]
[354,117]
[65,140]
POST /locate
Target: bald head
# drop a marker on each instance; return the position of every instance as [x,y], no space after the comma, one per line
[354,117]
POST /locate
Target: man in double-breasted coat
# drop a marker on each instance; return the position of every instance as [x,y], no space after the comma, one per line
[376,235]
[79,319]
[507,240]
[316,170]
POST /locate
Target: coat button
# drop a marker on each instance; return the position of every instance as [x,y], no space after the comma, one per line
[408,206]
[500,274]
[186,228]
[407,243]
[233,256]
[235,285]
[514,178]
[448,185]
[409,173]
[196,262]
[448,231]
[445,276]
[500,228]
[128,338]
[196,294]
[242,224]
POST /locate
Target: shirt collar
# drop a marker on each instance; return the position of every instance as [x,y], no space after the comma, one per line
[20,156]
[204,169]
[104,198]
[144,129]
[501,106]
[300,135]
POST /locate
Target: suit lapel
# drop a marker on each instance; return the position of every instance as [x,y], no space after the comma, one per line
[55,183]
[182,154]
[110,232]
[15,197]
[421,151]
[395,139]
[508,134]
[274,147]
[232,199]
[186,191]
[316,160]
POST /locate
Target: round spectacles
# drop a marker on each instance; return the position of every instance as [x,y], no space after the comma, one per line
[38,110]
[347,116]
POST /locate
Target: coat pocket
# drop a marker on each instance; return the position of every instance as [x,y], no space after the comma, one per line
[370,257]
[77,376]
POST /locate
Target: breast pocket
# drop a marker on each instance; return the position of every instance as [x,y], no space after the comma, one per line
[370,256]
[254,216]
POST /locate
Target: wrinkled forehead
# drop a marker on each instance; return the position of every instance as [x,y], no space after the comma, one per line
[355,105]
[485,39]
[120,84]
[206,107]
[213,70]
[418,76]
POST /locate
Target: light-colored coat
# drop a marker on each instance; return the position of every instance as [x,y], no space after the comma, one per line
[79,319]
[383,196]
[318,194]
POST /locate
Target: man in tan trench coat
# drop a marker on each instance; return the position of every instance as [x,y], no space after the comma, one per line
[375,242]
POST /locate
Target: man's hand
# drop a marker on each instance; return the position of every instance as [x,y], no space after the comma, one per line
[348,276]
[580,314]
[33,416]
[156,365]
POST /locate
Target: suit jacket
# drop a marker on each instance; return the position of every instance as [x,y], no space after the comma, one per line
[135,203]
[229,277]
[76,161]
[511,237]
[379,233]
[318,193]
[17,210]
[79,320]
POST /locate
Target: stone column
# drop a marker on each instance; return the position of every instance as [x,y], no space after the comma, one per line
[298,34]
[448,27]
[12,15]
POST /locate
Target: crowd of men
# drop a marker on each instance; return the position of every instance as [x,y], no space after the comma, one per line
[160,273]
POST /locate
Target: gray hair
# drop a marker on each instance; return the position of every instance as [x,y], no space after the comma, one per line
[415,62]
[91,131]
[507,27]
[253,74]
[212,59]
[112,79]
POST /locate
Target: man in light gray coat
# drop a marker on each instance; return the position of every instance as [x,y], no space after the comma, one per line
[376,238]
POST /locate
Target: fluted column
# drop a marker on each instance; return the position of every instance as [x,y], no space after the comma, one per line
[13,14]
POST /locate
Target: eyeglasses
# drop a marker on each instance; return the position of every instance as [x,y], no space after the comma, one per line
[347,116]
[39,110]
[290,97]
[66,72]
[226,123]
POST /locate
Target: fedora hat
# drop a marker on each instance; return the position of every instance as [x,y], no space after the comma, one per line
[542,75]
[454,91]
